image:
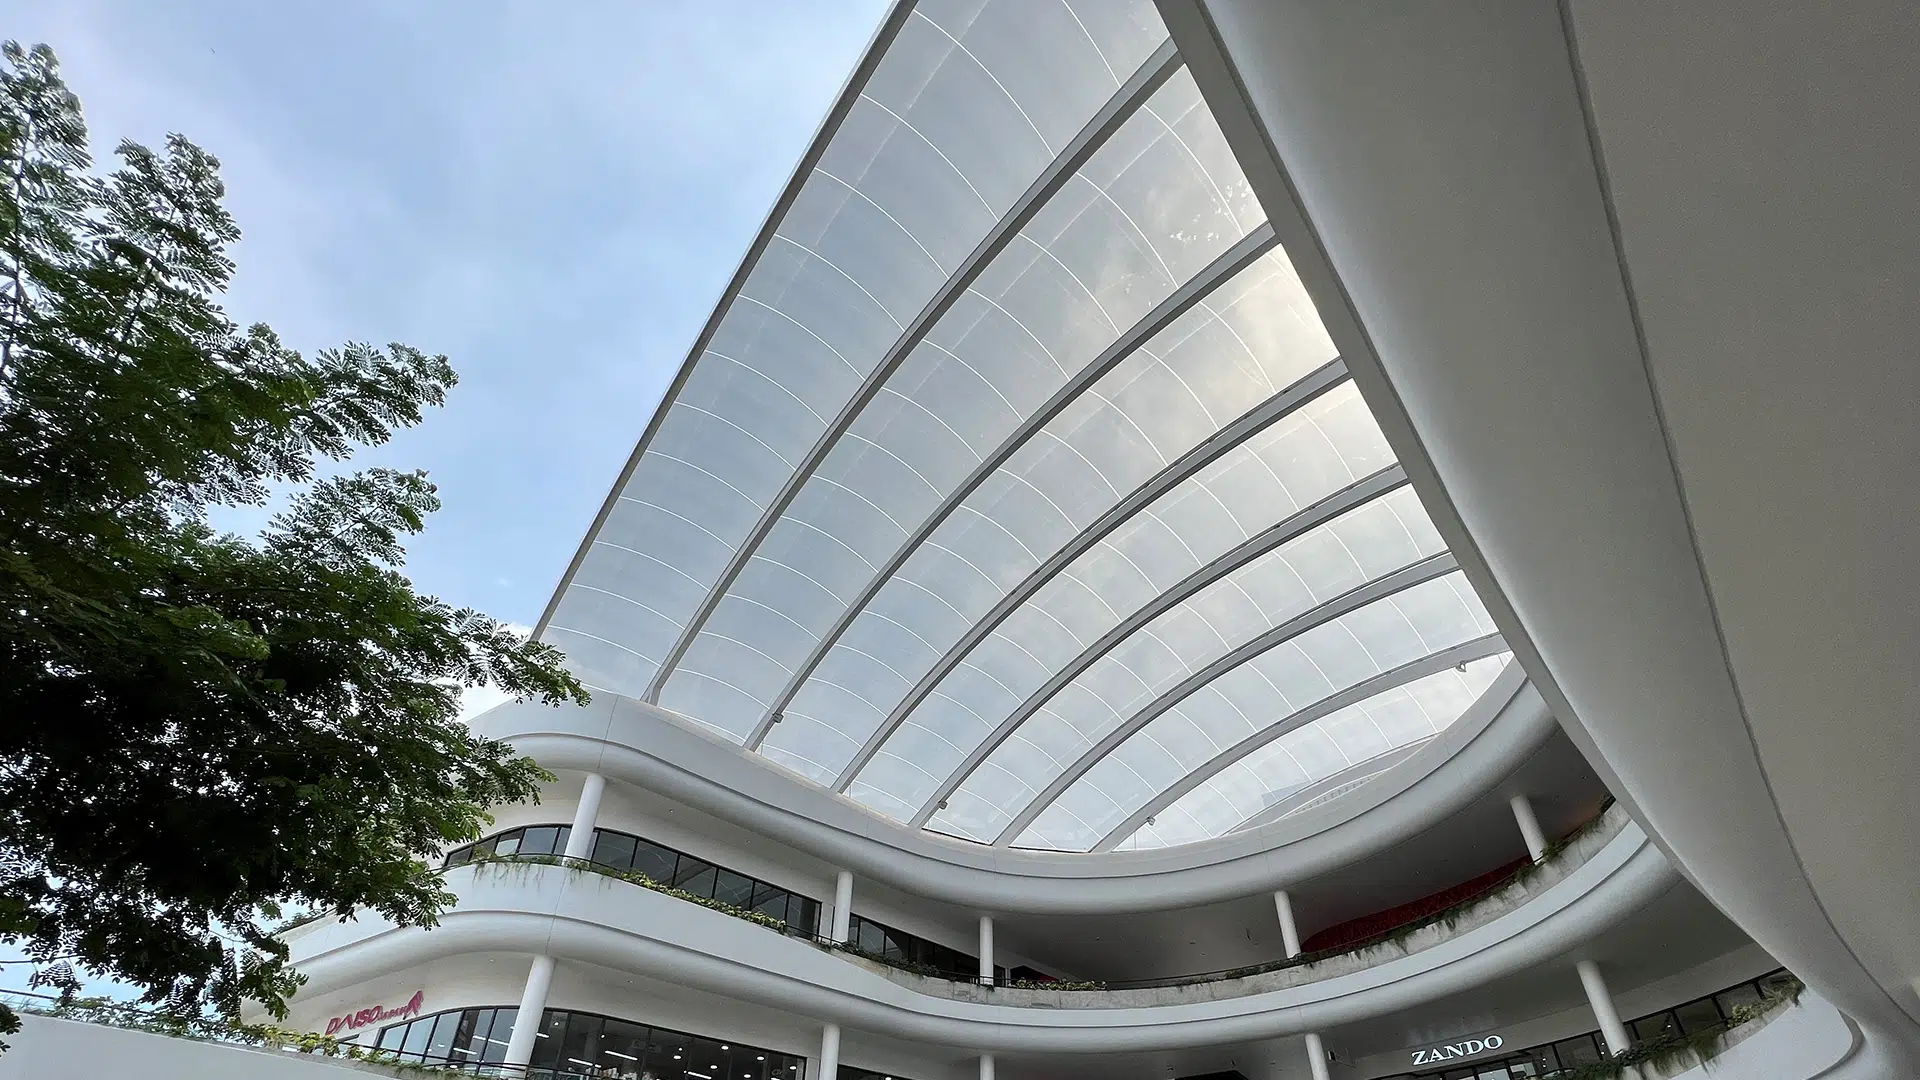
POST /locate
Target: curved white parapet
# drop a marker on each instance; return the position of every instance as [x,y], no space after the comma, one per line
[586,917]
[1810,1040]
[647,746]
[1540,238]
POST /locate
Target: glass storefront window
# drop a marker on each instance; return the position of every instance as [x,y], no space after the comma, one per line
[1577,1051]
[585,1046]
[1699,1016]
[614,849]
[1737,997]
[1657,1026]
[653,861]
[632,854]
[1703,1014]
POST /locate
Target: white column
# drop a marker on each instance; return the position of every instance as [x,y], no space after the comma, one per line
[986,950]
[1316,1056]
[1289,932]
[585,815]
[842,906]
[986,1067]
[1529,827]
[1603,1010]
[829,1052]
[533,1004]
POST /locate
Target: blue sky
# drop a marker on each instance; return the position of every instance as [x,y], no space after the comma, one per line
[551,194]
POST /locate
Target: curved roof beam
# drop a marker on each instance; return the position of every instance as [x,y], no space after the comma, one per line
[1119,108]
[1311,517]
[1269,412]
[1379,588]
[1232,261]
[1478,649]
[876,51]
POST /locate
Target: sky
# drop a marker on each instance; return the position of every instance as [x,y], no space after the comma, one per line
[553,195]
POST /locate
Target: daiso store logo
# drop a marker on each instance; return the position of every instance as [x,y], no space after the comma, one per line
[378,1014]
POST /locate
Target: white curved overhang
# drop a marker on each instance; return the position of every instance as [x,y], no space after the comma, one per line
[1627,283]
[644,745]
[592,919]
[1014,488]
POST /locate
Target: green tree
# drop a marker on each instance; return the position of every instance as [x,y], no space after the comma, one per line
[199,730]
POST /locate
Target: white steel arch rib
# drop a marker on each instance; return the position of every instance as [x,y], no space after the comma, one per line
[1268,413]
[870,60]
[1232,261]
[1478,649]
[1354,495]
[1119,108]
[1427,569]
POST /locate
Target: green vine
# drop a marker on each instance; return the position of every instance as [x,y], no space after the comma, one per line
[1668,1052]
[108,1013]
[631,877]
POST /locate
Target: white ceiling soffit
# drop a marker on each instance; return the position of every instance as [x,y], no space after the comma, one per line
[1630,286]
[1015,489]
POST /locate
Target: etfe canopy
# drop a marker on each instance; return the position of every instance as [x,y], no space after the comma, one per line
[1014,488]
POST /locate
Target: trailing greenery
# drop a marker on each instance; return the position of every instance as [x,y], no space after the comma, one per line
[209,1029]
[1449,916]
[634,877]
[1669,1052]
[1057,984]
[204,729]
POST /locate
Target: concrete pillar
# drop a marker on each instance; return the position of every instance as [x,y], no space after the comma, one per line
[829,1052]
[1529,827]
[585,815]
[1289,932]
[1603,1010]
[842,906]
[986,950]
[533,1005]
[986,1067]
[1316,1056]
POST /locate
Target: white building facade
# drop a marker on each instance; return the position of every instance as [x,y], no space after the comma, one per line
[1077,612]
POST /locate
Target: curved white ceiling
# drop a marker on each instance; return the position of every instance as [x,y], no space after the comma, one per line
[1015,488]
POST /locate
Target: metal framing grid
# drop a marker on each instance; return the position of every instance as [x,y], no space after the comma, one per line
[1351,497]
[1427,569]
[1125,102]
[1260,418]
[1478,649]
[1232,261]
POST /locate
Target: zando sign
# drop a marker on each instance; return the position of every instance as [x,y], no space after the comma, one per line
[377,1014]
[1458,1050]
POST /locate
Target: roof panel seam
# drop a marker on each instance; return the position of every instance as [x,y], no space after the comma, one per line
[1161,66]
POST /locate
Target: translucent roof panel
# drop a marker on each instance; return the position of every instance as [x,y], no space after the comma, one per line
[967,105]
[1249,699]
[1159,203]
[1395,718]
[1016,490]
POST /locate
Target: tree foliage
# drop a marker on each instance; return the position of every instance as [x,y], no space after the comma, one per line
[197,729]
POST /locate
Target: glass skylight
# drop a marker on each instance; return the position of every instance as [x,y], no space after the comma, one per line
[1018,493]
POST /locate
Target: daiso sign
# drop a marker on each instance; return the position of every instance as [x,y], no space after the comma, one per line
[378,1014]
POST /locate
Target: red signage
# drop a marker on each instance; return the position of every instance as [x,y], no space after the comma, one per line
[378,1014]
